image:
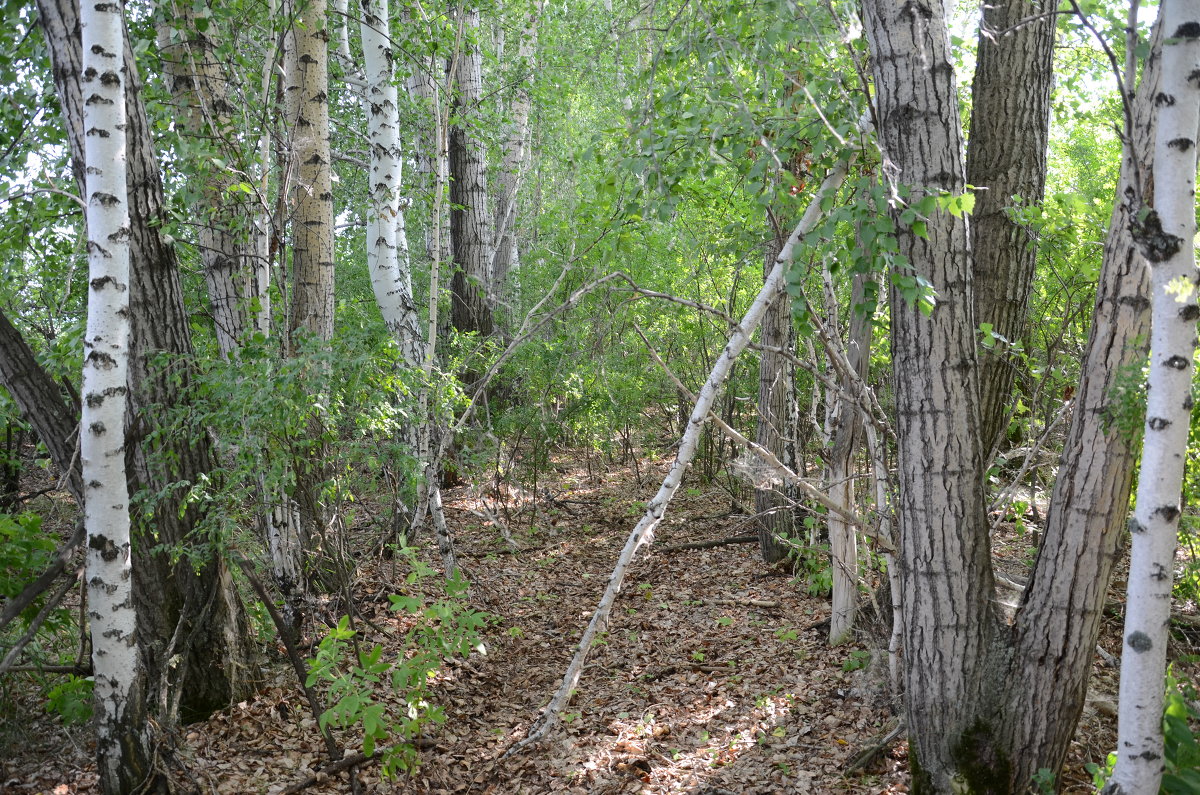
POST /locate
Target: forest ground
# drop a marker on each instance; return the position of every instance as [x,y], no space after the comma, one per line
[714,676]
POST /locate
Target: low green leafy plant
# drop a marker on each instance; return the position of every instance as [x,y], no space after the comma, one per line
[1181,752]
[443,628]
[71,700]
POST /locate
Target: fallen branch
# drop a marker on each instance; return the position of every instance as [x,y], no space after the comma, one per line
[333,768]
[720,542]
[872,752]
[741,602]
[643,533]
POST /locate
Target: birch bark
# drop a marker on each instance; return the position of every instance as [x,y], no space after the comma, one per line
[215,652]
[387,242]
[1166,236]
[122,746]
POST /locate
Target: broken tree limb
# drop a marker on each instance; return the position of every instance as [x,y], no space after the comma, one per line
[769,459]
[643,533]
[720,542]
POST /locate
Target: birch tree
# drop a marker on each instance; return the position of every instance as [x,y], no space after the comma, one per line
[387,242]
[122,745]
[212,655]
[1166,234]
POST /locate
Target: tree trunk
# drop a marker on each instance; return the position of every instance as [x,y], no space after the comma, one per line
[227,237]
[306,94]
[1010,118]
[470,221]
[387,243]
[515,159]
[946,575]
[778,425]
[41,403]
[844,423]
[1166,238]
[123,747]
[216,650]
[1059,618]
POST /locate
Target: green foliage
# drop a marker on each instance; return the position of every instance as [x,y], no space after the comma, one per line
[71,700]
[857,660]
[25,550]
[1181,752]
[443,627]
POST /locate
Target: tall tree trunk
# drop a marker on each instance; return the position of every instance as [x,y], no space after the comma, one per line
[1166,237]
[306,94]
[1059,618]
[387,243]
[845,426]
[946,574]
[515,158]
[228,238]
[970,686]
[777,427]
[470,221]
[194,595]
[123,751]
[1010,121]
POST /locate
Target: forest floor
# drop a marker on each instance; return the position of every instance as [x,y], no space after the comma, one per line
[714,676]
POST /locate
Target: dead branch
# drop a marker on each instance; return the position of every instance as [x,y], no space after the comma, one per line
[872,751]
[720,542]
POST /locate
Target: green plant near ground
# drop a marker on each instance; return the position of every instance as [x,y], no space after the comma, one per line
[444,627]
[1181,752]
[71,700]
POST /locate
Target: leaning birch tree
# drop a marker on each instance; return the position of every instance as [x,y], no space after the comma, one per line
[1166,236]
[122,745]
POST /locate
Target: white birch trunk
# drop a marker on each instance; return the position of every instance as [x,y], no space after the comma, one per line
[120,741]
[387,242]
[1174,311]
[643,533]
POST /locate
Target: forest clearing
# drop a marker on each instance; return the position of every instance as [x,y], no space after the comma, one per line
[614,395]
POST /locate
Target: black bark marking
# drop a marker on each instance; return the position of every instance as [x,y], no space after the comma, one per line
[110,79]
[1160,573]
[1155,244]
[1177,363]
[94,484]
[1189,402]
[1158,423]
[97,428]
[105,199]
[108,551]
[101,360]
[1182,144]
[1163,100]
[1194,76]
[1169,513]
[96,131]
[101,282]
[1136,527]
[1139,641]
[96,99]
[1188,30]
[1189,313]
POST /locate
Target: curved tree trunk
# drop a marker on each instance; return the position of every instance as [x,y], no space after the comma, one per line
[1059,618]
[1006,157]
